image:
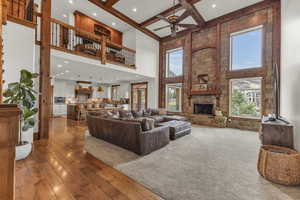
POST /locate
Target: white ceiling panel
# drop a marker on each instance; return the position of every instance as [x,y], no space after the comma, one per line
[222,7]
[145,8]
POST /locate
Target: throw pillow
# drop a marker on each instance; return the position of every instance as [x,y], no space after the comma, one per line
[150,123]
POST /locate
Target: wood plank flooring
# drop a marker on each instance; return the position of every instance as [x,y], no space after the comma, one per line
[63,170]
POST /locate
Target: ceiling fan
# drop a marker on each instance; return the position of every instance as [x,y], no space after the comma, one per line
[174,21]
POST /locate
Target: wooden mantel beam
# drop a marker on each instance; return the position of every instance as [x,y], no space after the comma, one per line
[110,3]
[193,11]
[166,13]
[124,18]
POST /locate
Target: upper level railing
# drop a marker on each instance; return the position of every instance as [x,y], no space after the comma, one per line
[21,9]
[70,39]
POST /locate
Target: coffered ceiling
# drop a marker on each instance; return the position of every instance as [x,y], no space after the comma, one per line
[126,14]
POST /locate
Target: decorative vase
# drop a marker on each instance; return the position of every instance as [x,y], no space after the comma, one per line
[25,147]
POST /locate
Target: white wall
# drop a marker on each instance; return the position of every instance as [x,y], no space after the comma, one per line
[290,66]
[124,90]
[64,88]
[147,55]
[19,50]
[129,38]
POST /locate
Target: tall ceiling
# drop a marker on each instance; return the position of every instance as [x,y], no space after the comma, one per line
[142,10]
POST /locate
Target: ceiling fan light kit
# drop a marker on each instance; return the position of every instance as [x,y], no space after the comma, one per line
[174,20]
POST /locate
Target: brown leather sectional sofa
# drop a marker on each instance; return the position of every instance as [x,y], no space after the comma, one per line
[128,134]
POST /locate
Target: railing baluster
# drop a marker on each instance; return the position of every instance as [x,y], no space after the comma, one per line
[64,36]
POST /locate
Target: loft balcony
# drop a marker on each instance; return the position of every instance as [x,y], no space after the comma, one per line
[71,39]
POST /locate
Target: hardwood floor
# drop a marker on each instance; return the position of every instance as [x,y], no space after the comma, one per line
[62,170]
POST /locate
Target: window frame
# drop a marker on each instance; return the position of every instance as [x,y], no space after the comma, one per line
[243,32]
[261,98]
[181,96]
[167,55]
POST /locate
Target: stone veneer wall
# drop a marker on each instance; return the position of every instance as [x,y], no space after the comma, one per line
[207,52]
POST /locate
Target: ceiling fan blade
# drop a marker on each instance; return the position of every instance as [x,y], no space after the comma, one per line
[187,25]
[183,16]
[163,18]
[157,29]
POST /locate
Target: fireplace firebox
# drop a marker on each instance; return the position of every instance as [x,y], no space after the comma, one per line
[206,109]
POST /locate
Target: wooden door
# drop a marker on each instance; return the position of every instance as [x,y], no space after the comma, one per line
[139,96]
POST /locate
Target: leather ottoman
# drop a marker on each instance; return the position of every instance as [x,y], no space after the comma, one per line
[177,128]
[174,117]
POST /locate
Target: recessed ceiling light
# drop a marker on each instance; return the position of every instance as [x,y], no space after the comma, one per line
[95,14]
[71,1]
[214,5]
[59,66]
[114,23]
[134,9]
[62,73]
[65,16]
[136,75]
[67,71]
[66,62]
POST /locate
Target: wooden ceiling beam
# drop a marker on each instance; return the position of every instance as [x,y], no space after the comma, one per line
[225,18]
[166,13]
[124,18]
[194,12]
[110,3]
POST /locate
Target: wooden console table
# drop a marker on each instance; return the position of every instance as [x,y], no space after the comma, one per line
[9,126]
[277,133]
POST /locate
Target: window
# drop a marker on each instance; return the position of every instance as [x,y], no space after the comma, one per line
[174,63]
[173,97]
[245,97]
[247,49]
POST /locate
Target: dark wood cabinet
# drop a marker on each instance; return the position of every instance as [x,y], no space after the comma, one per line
[277,133]
[9,126]
[91,25]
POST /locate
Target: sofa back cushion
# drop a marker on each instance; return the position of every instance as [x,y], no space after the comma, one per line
[137,114]
[147,124]
[125,114]
[151,111]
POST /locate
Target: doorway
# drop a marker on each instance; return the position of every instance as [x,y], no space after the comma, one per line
[139,96]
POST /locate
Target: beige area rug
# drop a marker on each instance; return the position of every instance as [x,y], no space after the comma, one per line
[209,164]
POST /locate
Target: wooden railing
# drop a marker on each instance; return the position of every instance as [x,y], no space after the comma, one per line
[21,9]
[70,39]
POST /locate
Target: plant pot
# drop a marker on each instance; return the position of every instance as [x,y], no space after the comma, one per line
[23,150]
[25,147]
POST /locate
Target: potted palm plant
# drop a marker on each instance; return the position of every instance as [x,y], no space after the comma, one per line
[23,94]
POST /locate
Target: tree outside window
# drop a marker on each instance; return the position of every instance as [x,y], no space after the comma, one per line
[245,97]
